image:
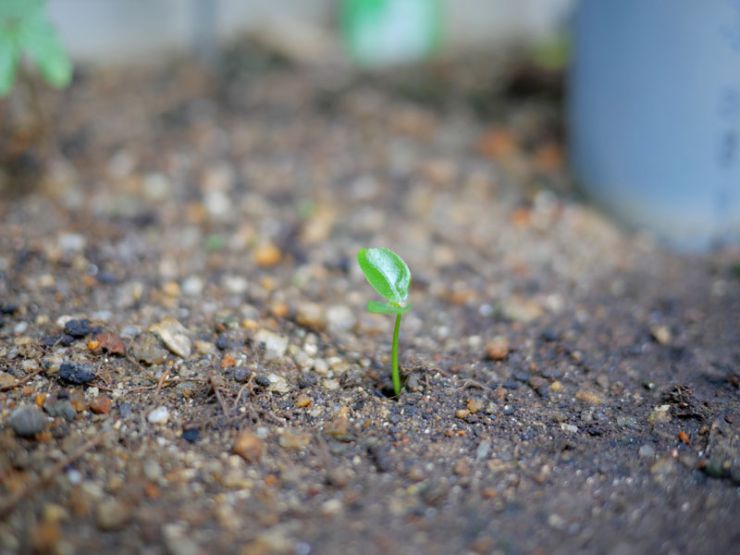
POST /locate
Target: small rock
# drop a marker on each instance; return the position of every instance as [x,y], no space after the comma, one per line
[71,242]
[174,335]
[110,343]
[160,415]
[589,397]
[235,285]
[278,384]
[660,415]
[275,345]
[27,421]
[484,448]
[147,349]
[76,373]
[646,451]
[59,408]
[311,316]
[249,447]
[571,428]
[242,374]
[340,318]
[112,515]
[497,348]
[303,401]
[178,542]
[101,405]
[294,441]
[475,404]
[462,413]
[267,256]
[338,427]
[381,457]
[190,435]
[262,380]
[77,328]
[6,380]
[661,334]
[192,286]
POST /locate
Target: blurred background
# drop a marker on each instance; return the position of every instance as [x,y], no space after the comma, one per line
[650,121]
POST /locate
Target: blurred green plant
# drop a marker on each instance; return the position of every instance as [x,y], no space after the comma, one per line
[27,35]
[388,274]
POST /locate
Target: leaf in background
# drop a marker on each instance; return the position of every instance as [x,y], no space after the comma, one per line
[386,272]
[41,42]
[8,63]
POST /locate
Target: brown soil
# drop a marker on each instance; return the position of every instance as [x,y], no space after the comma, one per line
[570,387]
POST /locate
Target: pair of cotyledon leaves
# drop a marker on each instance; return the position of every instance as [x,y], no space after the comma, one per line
[389,275]
[26,31]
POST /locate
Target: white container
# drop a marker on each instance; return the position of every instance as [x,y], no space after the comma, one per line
[654,113]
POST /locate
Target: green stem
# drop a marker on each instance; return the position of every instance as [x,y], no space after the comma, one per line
[395,374]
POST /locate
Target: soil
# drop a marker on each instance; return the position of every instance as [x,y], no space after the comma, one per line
[179,300]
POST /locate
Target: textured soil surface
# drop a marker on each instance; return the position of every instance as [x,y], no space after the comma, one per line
[188,367]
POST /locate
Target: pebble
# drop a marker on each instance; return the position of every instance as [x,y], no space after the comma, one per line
[6,380]
[589,397]
[63,408]
[311,316]
[278,384]
[111,343]
[77,328]
[303,401]
[71,242]
[340,318]
[174,335]
[76,373]
[235,285]
[27,421]
[484,448]
[267,256]
[160,415]
[248,446]
[660,415]
[242,374]
[178,542]
[192,286]
[661,334]
[475,404]
[101,405]
[498,348]
[191,435]
[147,349]
[112,514]
[647,451]
[275,345]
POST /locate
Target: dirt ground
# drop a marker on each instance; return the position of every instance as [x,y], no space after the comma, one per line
[188,366]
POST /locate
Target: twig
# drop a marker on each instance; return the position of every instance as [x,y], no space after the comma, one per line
[10,502]
[24,379]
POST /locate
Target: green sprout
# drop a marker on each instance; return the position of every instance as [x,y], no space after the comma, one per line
[25,31]
[388,274]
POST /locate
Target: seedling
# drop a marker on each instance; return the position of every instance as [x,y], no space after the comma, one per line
[25,31]
[388,274]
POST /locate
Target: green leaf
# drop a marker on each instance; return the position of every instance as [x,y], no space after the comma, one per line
[41,42]
[387,273]
[378,307]
[8,63]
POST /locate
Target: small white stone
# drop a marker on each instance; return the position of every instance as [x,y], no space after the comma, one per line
[72,242]
[192,286]
[160,415]
[275,345]
[236,285]
[340,318]
[174,335]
